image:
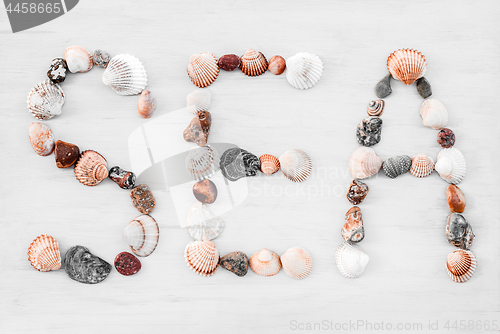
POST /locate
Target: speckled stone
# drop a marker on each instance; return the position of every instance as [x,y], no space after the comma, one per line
[205,191]
[459,232]
[58,70]
[123,178]
[127,264]
[84,267]
[369,131]
[101,58]
[236,262]
[199,128]
[229,62]
[143,199]
[357,192]
[446,138]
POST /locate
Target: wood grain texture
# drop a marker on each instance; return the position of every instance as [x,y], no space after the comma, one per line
[405,218]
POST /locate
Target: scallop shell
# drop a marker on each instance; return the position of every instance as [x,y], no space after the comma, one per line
[451,165]
[351,260]
[269,164]
[78,59]
[202,223]
[203,69]
[421,165]
[375,108]
[434,114]
[125,74]
[41,139]
[461,265]
[297,262]
[265,263]
[407,65]
[199,100]
[146,104]
[45,100]
[43,253]
[202,257]
[200,162]
[364,163]
[142,235]
[253,63]
[90,169]
[296,165]
[303,70]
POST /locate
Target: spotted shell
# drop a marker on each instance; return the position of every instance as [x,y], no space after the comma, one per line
[303,70]
[203,69]
[45,100]
[78,59]
[142,235]
[395,166]
[451,165]
[199,100]
[375,108]
[296,165]
[421,165]
[265,263]
[125,74]
[91,168]
[200,162]
[202,223]
[269,164]
[434,114]
[43,253]
[351,260]
[364,163]
[41,139]
[297,262]
[146,104]
[461,265]
[407,65]
[202,257]
[253,63]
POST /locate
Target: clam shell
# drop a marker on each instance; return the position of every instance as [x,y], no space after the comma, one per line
[265,263]
[200,162]
[91,168]
[253,63]
[421,165]
[303,70]
[202,257]
[297,262]
[296,165]
[146,104]
[78,59]
[41,139]
[125,74]
[375,108]
[269,164]
[434,114]
[45,100]
[461,265]
[203,69]
[451,165]
[364,163]
[199,100]
[353,230]
[351,260]
[43,253]
[407,65]
[142,235]
[202,223]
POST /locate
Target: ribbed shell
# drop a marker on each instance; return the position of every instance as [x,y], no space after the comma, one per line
[364,163]
[395,166]
[203,69]
[200,162]
[451,165]
[351,260]
[296,165]
[146,104]
[202,223]
[407,65]
[202,257]
[303,70]
[41,139]
[265,263]
[199,100]
[43,253]
[461,265]
[421,165]
[45,100]
[253,63]
[142,235]
[269,164]
[126,75]
[78,59]
[91,168]
[375,108]
[297,262]
[434,114]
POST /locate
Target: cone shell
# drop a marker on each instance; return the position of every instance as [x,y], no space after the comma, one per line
[142,235]
[200,162]
[41,139]
[91,168]
[421,165]
[146,104]
[269,164]
[296,165]
[407,65]
[126,75]
[351,260]
[253,63]
[203,69]
[375,108]
[434,114]
[78,59]
[303,70]
[364,163]
[265,263]
[461,265]
[202,223]
[451,165]
[202,257]
[297,262]
[199,100]
[43,253]
[45,100]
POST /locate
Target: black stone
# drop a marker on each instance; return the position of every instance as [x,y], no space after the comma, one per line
[235,262]
[424,87]
[459,232]
[84,267]
[58,70]
[236,163]
[369,131]
[383,87]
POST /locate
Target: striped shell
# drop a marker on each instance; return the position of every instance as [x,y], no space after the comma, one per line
[78,59]
[202,257]
[297,262]
[265,263]
[395,166]
[269,164]
[296,165]
[434,114]
[203,69]
[142,235]
[200,162]
[45,100]
[126,75]
[375,108]
[461,265]
[364,163]
[199,100]
[41,139]
[421,165]
[451,165]
[91,168]
[253,63]
[303,70]
[407,65]
[351,260]
[202,223]
[43,253]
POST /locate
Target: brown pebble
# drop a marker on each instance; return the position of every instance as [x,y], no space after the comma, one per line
[229,62]
[205,191]
[66,154]
[199,129]
[277,65]
[357,192]
[235,262]
[456,198]
[143,199]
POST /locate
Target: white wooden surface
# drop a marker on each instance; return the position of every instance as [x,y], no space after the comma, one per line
[405,281]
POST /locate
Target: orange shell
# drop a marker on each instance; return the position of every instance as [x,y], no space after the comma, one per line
[353,230]
[253,63]
[456,198]
[202,257]
[44,253]
[203,69]
[407,65]
[461,265]
[421,165]
[78,59]
[91,168]
[146,104]
[265,263]
[41,139]
[269,164]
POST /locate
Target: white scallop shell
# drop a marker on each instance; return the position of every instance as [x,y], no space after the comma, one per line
[78,59]
[125,74]
[296,165]
[351,260]
[434,114]
[202,223]
[142,235]
[202,257]
[200,162]
[45,100]
[364,163]
[303,70]
[265,263]
[451,165]
[199,100]
[297,262]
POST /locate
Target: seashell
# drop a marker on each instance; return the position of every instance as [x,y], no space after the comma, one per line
[253,63]
[421,165]
[369,131]
[91,168]
[101,58]
[277,65]
[434,114]
[79,59]
[142,235]
[43,253]
[451,165]
[45,100]
[235,262]
[125,74]
[202,223]
[383,87]
[57,70]
[456,198]
[353,230]
[297,262]
[364,163]
[66,154]
[446,138]
[127,264]
[198,129]
[205,191]
[200,162]
[265,263]
[461,265]
[84,267]
[407,65]
[199,100]
[124,179]
[236,163]
[146,104]
[229,62]
[303,70]
[203,69]
[376,108]
[202,257]
[41,139]
[395,166]
[424,87]
[296,165]
[143,199]
[269,164]
[458,231]
[357,192]
[351,260]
